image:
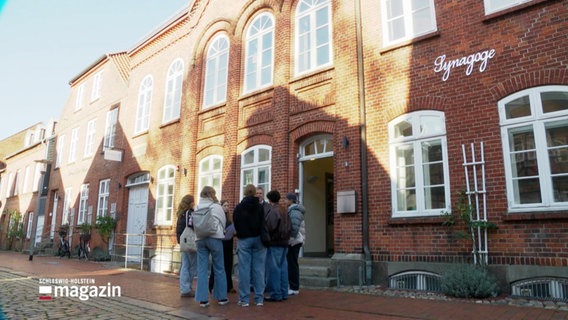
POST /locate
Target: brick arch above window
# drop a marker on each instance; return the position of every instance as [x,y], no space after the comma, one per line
[249,13]
[311,128]
[252,141]
[415,104]
[199,54]
[528,80]
[208,151]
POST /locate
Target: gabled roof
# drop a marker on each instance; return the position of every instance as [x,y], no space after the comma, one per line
[122,64]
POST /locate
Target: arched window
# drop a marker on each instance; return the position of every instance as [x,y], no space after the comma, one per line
[419,164]
[216,71]
[313,48]
[165,195]
[259,53]
[256,164]
[317,147]
[172,100]
[211,173]
[144,105]
[534,131]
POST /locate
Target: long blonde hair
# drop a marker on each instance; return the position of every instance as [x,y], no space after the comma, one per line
[185,204]
[209,192]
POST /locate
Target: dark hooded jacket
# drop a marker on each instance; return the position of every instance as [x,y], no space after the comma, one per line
[248,218]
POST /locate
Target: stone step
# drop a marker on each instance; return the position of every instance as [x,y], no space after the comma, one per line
[315,271]
[317,282]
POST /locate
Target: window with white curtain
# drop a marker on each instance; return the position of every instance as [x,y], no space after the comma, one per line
[172,100]
[419,164]
[144,105]
[165,195]
[259,57]
[534,133]
[256,163]
[216,71]
[313,48]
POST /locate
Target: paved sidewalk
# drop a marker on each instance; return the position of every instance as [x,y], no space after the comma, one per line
[146,295]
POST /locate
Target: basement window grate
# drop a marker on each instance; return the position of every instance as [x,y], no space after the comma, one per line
[416,280]
[541,288]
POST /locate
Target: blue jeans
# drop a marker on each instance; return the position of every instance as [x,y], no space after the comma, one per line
[215,248]
[187,271]
[277,273]
[252,256]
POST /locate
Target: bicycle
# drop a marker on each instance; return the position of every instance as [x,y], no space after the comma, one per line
[63,249]
[84,248]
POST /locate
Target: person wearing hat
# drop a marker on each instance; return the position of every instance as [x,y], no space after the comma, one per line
[296,213]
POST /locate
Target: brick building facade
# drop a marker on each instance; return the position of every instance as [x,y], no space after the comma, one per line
[372,111]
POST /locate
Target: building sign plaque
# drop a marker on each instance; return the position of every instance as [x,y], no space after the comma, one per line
[446,66]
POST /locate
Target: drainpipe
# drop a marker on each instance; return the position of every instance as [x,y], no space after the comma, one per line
[363,131]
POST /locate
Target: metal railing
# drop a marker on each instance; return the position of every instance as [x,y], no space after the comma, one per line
[151,252]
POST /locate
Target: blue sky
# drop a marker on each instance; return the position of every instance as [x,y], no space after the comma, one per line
[44,44]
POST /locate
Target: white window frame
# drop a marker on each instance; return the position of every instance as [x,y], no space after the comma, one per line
[110,128]
[79,99]
[60,146]
[104,193]
[73,145]
[144,105]
[216,71]
[17,182]
[408,18]
[307,60]
[174,85]
[493,6]
[30,225]
[260,36]
[255,167]
[97,82]
[538,121]
[165,188]
[26,179]
[209,175]
[90,137]
[83,204]
[10,185]
[37,176]
[65,218]
[416,140]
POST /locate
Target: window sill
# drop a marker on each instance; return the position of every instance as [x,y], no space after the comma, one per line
[498,14]
[533,216]
[409,42]
[416,220]
[170,122]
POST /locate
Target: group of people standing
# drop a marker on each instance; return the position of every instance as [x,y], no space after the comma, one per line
[268,268]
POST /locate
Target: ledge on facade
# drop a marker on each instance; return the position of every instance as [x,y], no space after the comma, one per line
[417,220]
[551,215]
[409,42]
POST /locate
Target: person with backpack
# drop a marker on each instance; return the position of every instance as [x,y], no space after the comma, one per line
[227,251]
[296,213]
[209,226]
[188,268]
[248,218]
[279,228]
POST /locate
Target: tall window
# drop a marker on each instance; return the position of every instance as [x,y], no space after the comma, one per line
[17,182]
[534,130]
[144,105]
[216,71]
[313,35]
[104,192]
[73,146]
[174,82]
[492,6]
[165,195]
[79,98]
[210,173]
[26,179]
[96,91]
[60,146]
[259,53]
[110,128]
[419,164]
[255,167]
[83,204]
[37,177]
[90,138]
[404,20]
[66,218]
[30,225]
[9,186]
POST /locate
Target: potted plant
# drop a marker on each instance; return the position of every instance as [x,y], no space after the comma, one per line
[85,231]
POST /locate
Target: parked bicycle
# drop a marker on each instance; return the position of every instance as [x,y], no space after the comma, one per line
[63,249]
[84,248]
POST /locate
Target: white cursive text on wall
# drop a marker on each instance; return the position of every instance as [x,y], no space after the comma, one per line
[440,64]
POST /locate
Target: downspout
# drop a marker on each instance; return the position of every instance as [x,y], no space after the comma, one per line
[363,131]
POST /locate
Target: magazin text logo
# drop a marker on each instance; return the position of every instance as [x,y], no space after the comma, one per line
[84,289]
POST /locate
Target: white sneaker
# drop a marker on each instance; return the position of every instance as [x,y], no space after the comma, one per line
[293,292]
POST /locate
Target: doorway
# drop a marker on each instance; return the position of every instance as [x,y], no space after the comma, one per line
[137,215]
[317,195]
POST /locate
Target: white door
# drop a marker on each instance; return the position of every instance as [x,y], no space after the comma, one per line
[136,221]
